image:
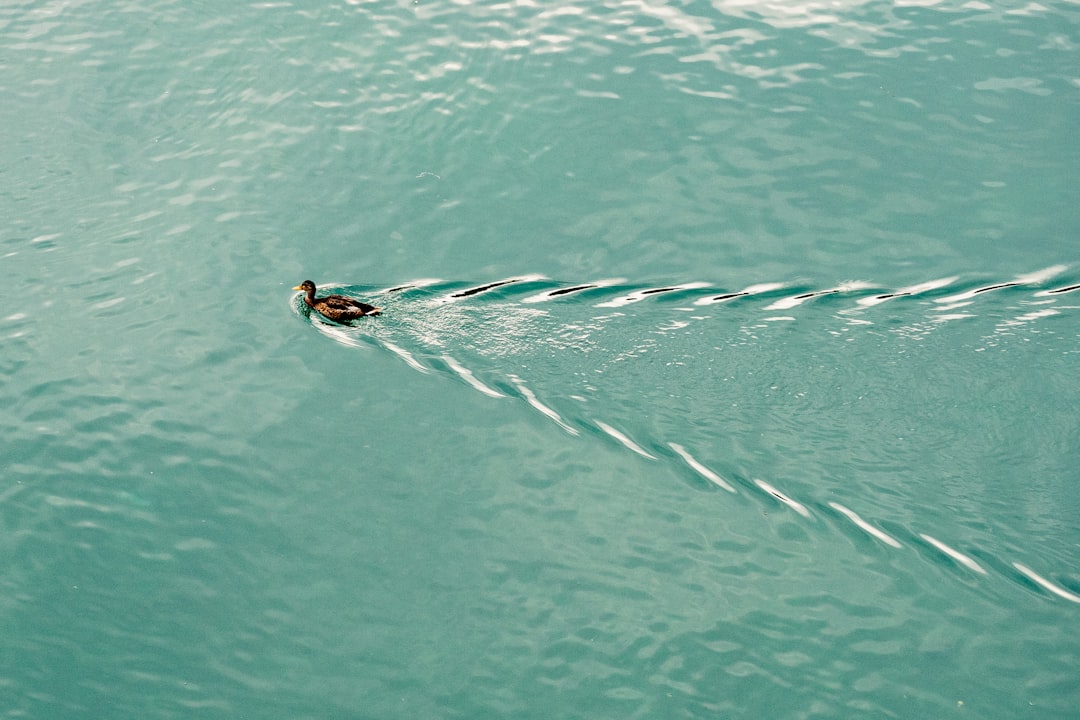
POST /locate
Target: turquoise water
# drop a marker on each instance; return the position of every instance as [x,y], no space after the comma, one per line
[727,369]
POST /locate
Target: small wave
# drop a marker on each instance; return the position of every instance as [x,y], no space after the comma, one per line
[456,328]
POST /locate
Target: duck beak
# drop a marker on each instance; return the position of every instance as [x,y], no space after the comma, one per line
[298,288]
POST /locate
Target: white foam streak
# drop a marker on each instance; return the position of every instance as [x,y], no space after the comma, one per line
[1041,276]
[412,285]
[748,290]
[796,300]
[490,287]
[762,288]
[865,526]
[1040,580]
[630,444]
[907,291]
[467,375]
[796,506]
[639,295]
[790,302]
[699,468]
[1032,278]
[559,292]
[404,355]
[530,397]
[954,554]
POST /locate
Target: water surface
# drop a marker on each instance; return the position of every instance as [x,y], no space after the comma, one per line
[727,366]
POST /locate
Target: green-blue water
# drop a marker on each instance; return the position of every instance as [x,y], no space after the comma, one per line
[776,417]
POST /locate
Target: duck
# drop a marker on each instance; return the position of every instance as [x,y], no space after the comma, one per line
[335,307]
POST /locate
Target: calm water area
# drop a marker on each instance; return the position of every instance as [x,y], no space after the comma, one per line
[729,363]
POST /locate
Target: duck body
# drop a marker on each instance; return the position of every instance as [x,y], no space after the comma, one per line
[335,307]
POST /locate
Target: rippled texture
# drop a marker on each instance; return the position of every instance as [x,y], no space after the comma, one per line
[727,368]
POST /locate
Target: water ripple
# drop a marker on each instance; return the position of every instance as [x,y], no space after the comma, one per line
[435,325]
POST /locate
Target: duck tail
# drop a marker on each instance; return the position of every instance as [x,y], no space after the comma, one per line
[374,311]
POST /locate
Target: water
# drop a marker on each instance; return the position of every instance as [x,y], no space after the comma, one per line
[727,368]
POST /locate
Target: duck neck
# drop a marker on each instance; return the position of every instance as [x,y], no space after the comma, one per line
[310,297]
